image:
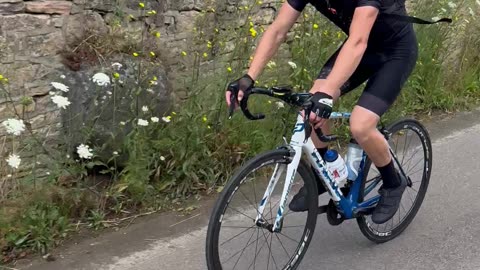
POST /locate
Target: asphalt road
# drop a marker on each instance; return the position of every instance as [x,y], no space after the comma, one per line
[444,235]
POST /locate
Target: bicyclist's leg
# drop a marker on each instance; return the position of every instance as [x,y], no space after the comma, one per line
[364,71]
[381,91]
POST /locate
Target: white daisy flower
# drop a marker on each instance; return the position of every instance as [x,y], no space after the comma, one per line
[150,90]
[9,175]
[101,79]
[109,93]
[122,123]
[435,18]
[280,105]
[60,86]
[84,151]
[117,66]
[142,122]
[63,76]
[162,158]
[115,153]
[144,109]
[14,126]
[166,119]
[62,102]
[155,119]
[292,64]
[14,161]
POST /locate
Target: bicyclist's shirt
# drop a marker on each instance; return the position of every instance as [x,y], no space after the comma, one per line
[340,12]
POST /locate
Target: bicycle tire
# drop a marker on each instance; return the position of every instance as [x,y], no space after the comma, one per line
[365,227]
[275,156]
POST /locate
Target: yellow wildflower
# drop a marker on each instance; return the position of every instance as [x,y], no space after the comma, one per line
[135,54]
[209,127]
[174,113]
[251,24]
[229,69]
[259,2]
[253,32]
[209,44]
[1,77]
[315,26]
[131,17]
[152,54]
[116,75]
[204,118]
[157,34]
[184,53]
[141,5]
[216,30]
[154,78]
[246,8]
[152,12]
[205,55]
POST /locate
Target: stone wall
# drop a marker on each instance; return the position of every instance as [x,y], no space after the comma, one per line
[33,35]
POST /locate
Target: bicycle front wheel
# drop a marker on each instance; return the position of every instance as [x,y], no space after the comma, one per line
[410,142]
[234,241]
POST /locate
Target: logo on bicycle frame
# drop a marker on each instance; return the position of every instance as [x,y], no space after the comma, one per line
[299,127]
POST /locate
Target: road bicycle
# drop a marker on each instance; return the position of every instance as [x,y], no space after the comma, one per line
[251,226]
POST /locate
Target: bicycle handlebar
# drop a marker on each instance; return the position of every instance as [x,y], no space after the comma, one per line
[283,93]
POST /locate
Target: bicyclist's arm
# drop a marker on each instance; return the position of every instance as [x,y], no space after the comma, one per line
[273,37]
[352,51]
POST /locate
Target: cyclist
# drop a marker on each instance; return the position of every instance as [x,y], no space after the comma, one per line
[379,49]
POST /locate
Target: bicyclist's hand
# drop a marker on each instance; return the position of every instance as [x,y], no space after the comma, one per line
[321,108]
[243,84]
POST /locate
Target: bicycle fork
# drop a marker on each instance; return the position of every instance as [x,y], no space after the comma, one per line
[289,178]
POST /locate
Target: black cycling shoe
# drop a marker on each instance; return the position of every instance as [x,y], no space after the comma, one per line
[389,202]
[299,201]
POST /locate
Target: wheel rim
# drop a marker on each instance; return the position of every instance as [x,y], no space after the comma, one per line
[412,153]
[242,244]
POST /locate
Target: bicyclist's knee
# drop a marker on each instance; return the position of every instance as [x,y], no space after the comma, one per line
[363,124]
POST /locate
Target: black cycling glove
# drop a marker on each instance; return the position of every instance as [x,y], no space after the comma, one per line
[245,84]
[322,105]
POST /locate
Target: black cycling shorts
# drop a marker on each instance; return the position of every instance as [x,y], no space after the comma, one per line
[386,70]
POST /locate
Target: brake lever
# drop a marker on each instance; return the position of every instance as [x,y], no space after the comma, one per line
[307,109]
[231,109]
[233,89]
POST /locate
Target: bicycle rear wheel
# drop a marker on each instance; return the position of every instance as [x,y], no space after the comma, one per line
[411,145]
[234,241]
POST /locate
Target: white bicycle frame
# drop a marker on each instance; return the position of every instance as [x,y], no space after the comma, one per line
[299,145]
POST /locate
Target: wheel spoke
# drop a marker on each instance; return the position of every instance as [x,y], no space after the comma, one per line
[284,249]
[288,237]
[416,164]
[409,160]
[233,255]
[235,236]
[241,213]
[243,250]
